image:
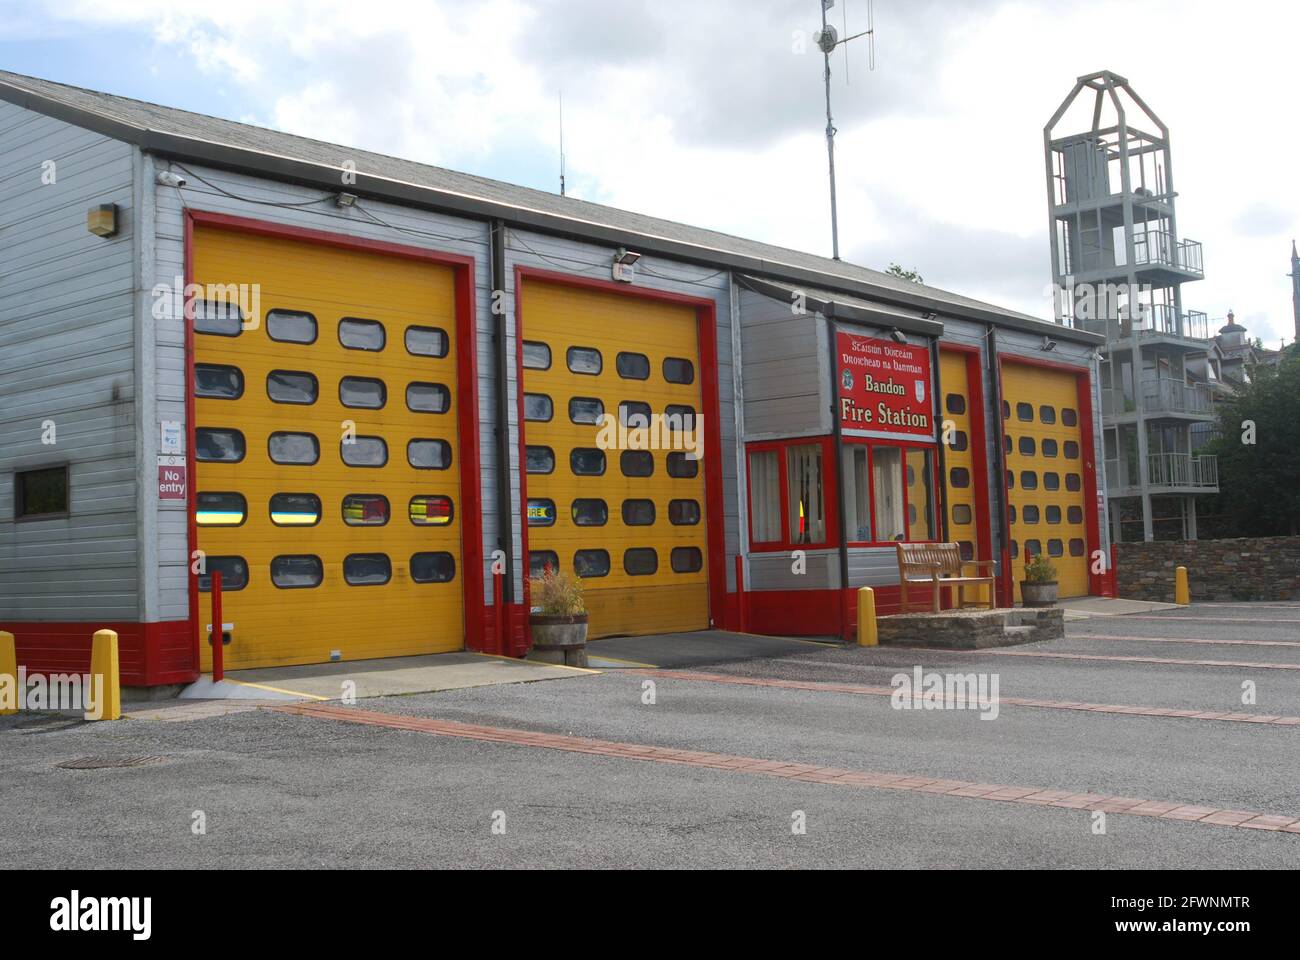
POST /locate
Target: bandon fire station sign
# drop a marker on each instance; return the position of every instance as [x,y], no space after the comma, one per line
[884,389]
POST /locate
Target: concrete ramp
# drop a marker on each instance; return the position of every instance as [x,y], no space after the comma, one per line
[376,678]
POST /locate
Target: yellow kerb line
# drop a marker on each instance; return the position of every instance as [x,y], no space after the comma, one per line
[262,686]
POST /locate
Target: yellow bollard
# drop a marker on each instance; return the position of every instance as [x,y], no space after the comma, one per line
[9,674]
[104,666]
[867,633]
[1182,588]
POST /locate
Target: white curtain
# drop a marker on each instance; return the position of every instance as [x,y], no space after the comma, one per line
[765,496]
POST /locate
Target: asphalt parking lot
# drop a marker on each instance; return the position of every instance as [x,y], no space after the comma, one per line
[794,759]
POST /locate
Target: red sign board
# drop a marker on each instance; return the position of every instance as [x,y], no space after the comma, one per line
[884,388]
[171,483]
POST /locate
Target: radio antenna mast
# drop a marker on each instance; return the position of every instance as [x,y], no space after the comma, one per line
[827,41]
[562,143]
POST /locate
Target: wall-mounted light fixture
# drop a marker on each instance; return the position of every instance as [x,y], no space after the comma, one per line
[898,336]
[1048,345]
[346,200]
[625,262]
[101,220]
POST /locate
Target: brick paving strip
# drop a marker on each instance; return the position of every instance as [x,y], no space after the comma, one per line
[869,691]
[1212,643]
[804,772]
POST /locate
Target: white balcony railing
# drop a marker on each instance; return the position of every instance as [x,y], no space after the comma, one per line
[1164,471]
[1160,249]
[1162,319]
[1183,470]
[1174,396]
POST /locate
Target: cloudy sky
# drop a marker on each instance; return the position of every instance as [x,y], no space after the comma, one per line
[712,112]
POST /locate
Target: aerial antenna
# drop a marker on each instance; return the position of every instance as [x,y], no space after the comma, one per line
[827,41]
[562,143]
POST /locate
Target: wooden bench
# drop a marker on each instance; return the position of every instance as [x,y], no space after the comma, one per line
[939,565]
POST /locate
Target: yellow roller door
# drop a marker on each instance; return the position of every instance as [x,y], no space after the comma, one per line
[1044,448]
[326,448]
[630,522]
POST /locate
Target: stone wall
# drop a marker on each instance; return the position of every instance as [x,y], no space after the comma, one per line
[1221,571]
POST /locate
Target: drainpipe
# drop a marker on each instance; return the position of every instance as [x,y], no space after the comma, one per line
[1004,522]
[505,508]
[832,336]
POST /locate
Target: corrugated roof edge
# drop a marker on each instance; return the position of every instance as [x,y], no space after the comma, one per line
[325,176]
[842,307]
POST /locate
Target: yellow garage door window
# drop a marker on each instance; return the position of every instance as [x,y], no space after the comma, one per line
[959,457]
[630,522]
[1044,453]
[327,475]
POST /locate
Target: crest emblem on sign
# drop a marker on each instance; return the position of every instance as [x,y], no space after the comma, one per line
[920,391]
[848,379]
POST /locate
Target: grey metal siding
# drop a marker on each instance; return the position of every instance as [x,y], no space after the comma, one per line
[257,198]
[771,572]
[785,370]
[66,356]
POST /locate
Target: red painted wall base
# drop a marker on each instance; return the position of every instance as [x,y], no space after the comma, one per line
[151,654]
[822,613]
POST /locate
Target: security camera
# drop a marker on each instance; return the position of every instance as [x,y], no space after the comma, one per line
[168,179]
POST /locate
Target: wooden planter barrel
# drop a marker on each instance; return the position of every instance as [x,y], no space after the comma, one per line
[1036,594]
[559,640]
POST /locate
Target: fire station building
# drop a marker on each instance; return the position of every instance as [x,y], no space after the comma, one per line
[376,394]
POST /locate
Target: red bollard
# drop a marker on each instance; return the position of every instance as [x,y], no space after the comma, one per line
[498,621]
[218,635]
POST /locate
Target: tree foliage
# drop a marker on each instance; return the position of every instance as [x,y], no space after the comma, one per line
[898,270]
[1259,482]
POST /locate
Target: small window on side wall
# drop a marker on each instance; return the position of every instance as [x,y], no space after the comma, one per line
[683,467]
[41,494]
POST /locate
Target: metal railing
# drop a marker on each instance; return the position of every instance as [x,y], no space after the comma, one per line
[1174,396]
[1164,470]
[1183,470]
[1158,248]
[1163,320]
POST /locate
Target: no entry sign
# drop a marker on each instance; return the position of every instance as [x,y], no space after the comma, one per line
[884,389]
[171,481]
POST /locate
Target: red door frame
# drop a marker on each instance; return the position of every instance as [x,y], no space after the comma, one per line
[466,397]
[976,409]
[1083,380]
[706,312]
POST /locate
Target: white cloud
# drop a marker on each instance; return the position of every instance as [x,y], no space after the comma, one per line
[702,113]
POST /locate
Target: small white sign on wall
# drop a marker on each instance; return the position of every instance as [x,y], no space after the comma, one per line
[169,438]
